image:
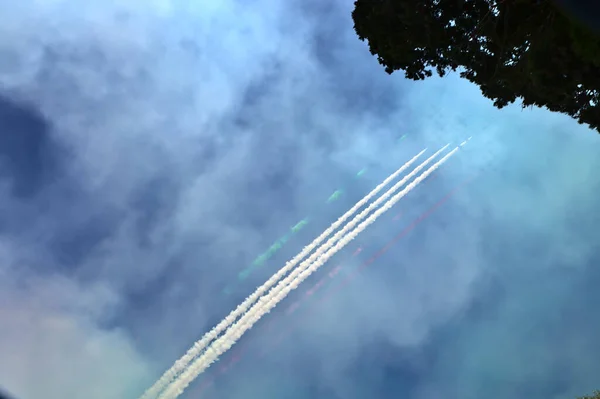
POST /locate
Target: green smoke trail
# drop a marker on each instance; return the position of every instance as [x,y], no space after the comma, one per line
[261,260]
[277,245]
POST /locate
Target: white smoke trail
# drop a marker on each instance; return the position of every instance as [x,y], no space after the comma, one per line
[268,302]
[199,346]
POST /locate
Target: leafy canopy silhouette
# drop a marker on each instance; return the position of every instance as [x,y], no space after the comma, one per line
[596,395]
[512,49]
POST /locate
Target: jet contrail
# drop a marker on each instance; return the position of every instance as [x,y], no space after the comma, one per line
[277,294]
[199,346]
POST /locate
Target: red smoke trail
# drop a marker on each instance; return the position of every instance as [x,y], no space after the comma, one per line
[400,235]
[237,356]
[378,254]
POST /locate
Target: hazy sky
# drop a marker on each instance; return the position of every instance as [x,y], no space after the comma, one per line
[151,150]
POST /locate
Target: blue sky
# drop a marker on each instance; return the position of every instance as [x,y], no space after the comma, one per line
[150,150]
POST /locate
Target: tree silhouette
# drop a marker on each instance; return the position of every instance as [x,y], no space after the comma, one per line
[596,395]
[512,49]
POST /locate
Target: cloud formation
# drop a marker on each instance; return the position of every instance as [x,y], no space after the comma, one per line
[162,145]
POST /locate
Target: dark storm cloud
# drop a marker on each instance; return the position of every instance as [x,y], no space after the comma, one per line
[28,155]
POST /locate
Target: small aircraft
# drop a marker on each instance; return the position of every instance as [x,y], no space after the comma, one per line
[358,250]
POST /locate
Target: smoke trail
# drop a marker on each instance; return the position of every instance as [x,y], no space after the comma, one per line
[236,357]
[199,346]
[262,258]
[268,302]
